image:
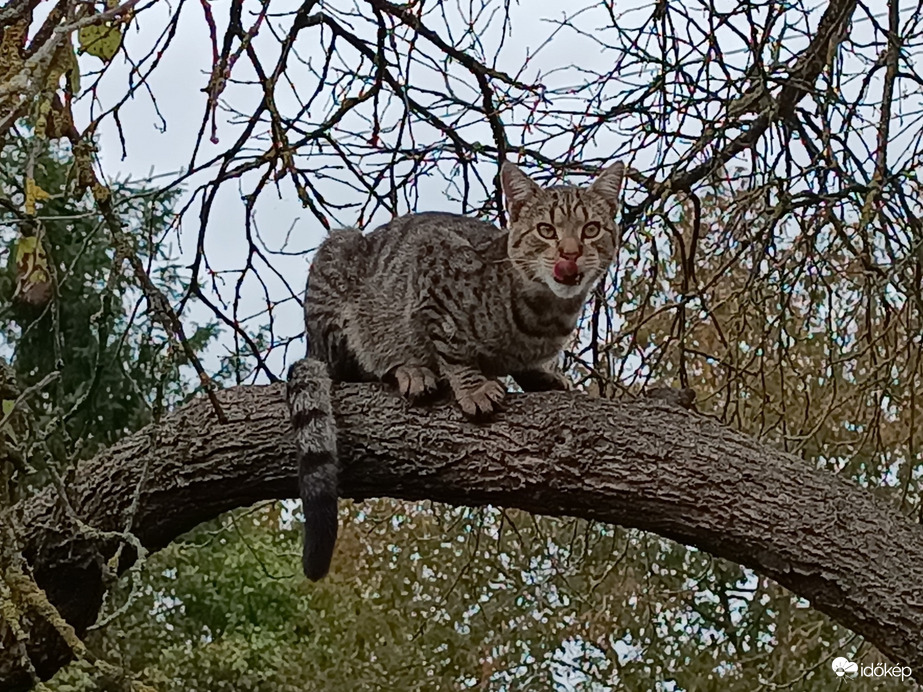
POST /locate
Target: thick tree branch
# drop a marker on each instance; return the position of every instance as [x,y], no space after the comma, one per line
[638,464]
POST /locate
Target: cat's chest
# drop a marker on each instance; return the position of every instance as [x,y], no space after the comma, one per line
[482,316]
[509,355]
[500,346]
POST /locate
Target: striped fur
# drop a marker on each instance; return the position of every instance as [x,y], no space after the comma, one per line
[435,298]
[308,394]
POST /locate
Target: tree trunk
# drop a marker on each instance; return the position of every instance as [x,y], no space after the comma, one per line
[638,464]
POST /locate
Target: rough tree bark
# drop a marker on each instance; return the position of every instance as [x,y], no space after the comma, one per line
[639,464]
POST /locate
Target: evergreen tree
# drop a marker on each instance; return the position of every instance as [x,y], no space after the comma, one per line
[69,310]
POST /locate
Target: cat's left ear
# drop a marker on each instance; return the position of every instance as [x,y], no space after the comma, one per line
[608,185]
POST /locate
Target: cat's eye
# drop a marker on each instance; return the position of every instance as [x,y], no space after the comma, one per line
[591,230]
[546,230]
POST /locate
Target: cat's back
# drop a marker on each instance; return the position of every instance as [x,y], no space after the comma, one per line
[435,228]
[409,252]
[420,243]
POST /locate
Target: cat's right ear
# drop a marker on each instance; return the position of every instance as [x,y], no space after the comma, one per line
[518,188]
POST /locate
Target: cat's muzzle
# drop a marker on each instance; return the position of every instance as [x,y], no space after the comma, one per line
[567,272]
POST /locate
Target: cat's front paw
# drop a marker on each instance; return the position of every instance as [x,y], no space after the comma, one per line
[482,400]
[415,381]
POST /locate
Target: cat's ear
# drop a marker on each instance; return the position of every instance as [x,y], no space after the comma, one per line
[608,185]
[518,188]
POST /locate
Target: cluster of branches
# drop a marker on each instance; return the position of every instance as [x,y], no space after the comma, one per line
[776,106]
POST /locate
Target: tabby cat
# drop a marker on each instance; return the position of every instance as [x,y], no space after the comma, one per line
[435,298]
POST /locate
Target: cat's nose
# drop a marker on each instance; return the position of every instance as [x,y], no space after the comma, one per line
[569,248]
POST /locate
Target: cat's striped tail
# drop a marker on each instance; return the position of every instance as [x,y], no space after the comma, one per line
[308,395]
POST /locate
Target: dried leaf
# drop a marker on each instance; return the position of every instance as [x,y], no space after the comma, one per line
[33,278]
[34,194]
[101,40]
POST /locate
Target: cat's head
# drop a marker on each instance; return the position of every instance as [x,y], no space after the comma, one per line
[564,236]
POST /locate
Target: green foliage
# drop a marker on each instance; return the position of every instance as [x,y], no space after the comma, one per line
[429,597]
[115,366]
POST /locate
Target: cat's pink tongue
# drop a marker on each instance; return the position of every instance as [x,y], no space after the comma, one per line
[565,271]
